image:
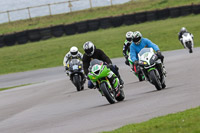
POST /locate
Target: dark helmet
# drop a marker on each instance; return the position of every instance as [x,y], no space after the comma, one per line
[137,37]
[89,48]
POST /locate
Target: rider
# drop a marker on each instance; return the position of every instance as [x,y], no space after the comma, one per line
[182,31]
[138,44]
[91,52]
[126,47]
[72,54]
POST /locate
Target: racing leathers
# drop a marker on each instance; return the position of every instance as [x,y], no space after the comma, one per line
[135,49]
[180,37]
[126,51]
[68,58]
[100,55]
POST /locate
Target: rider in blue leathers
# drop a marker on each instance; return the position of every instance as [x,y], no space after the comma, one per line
[138,44]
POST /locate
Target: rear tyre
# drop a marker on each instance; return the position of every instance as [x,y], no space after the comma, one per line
[77,82]
[82,88]
[121,96]
[189,46]
[155,80]
[107,93]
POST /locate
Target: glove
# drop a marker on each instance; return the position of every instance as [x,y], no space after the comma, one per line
[136,63]
[127,62]
[109,65]
[158,53]
[160,56]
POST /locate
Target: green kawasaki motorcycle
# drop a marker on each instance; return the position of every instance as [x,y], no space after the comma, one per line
[106,81]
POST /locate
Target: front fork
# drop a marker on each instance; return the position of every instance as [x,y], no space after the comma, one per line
[112,84]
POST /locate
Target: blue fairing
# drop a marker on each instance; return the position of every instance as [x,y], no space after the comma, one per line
[135,49]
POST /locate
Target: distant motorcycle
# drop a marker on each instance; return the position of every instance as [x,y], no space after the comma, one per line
[152,68]
[99,73]
[188,41]
[76,74]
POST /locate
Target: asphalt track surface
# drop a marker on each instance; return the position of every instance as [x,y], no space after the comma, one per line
[52,103]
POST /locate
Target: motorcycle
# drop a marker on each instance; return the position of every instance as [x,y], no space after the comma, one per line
[152,68]
[188,41]
[139,74]
[76,73]
[99,75]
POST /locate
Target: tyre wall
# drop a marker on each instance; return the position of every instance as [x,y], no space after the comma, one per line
[95,24]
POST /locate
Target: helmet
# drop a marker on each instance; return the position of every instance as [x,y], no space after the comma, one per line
[183,30]
[137,36]
[129,36]
[74,51]
[89,48]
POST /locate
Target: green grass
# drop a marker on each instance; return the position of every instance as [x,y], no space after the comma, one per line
[182,122]
[50,53]
[7,88]
[131,7]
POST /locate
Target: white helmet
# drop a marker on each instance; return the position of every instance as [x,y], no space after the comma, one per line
[129,36]
[89,48]
[74,51]
[183,30]
[137,37]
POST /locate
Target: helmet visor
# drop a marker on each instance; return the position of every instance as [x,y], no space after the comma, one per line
[74,53]
[129,39]
[89,51]
[135,40]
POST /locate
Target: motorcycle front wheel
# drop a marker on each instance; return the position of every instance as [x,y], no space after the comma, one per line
[77,82]
[107,93]
[155,80]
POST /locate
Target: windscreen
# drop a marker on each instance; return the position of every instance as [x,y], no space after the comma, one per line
[144,50]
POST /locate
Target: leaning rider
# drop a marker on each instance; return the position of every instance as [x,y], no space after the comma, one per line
[138,44]
[180,35]
[126,46]
[72,54]
[91,52]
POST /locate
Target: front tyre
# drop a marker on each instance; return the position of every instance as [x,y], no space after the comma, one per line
[107,93]
[155,80]
[77,82]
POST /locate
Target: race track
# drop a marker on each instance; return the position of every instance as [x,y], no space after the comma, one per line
[51,104]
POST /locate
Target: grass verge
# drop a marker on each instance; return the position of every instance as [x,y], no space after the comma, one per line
[50,53]
[130,7]
[183,122]
[7,88]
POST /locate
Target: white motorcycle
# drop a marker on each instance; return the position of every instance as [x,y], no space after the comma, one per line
[188,41]
[152,68]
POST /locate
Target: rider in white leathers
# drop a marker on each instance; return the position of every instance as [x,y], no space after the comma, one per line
[72,54]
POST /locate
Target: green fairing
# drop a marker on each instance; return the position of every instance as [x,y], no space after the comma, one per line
[103,73]
[153,68]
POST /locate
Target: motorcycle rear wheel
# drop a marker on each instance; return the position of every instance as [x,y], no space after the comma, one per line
[121,95]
